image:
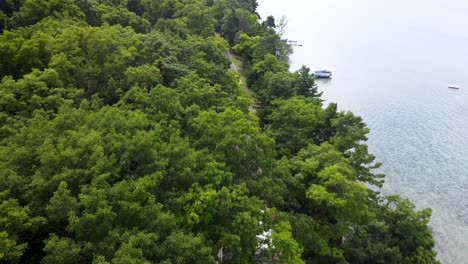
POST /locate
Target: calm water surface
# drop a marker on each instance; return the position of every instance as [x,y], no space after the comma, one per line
[392,62]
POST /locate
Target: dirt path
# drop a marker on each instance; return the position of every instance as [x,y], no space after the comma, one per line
[242,80]
[230,56]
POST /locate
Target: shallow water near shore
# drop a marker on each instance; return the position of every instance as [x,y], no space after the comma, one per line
[392,63]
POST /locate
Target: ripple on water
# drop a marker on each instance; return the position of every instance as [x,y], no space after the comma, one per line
[394,73]
[428,160]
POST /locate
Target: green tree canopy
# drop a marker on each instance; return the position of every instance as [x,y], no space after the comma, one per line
[126,137]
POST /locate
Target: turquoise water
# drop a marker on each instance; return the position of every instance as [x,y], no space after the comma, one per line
[392,62]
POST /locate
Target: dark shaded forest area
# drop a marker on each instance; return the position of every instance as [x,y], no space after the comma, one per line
[126,138]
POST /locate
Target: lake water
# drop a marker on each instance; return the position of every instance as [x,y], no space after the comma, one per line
[392,62]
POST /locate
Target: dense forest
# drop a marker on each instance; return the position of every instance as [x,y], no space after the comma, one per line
[126,136]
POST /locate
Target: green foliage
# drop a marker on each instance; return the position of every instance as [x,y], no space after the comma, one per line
[286,249]
[121,16]
[8,7]
[3,20]
[157,9]
[400,235]
[197,18]
[61,250]
[10,251]
[126,138]
[19,55]
[33,11]
[240,145]
[17,225]
[61,205]
[306,83]
[182,248]
[35,91]
[144,75]
[294,124]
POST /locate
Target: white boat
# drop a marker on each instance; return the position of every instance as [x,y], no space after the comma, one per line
[324,73]
[451,86]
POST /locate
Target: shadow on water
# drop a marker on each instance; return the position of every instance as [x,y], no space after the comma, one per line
[323,80]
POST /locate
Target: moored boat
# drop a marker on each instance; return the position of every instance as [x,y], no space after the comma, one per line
[324,73]
[451,86]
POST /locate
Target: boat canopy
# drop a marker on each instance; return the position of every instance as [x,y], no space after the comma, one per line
[324,71]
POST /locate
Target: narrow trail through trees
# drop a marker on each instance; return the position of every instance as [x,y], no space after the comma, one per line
[236,66]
